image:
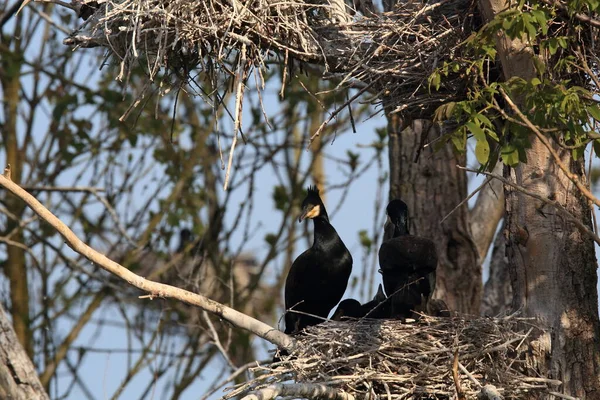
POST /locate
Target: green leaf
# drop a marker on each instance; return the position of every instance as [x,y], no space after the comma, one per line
[435,79]
[449,109]
[482,151]
[507,23]
[476,131]
[562,41]
[365,240]
[271,239]
[484,120]
[510,155]
[594,111]
[531,31]
[540,18]
[553,46]
[596,146]
[536,82]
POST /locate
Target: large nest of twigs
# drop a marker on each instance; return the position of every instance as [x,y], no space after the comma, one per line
[433,358]
[390,55]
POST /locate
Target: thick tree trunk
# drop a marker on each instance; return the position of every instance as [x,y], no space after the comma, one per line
[432,187]
[553,269]
[18,378]
[552,264]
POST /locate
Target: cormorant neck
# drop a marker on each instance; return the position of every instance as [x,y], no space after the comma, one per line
[401,226]
[323,230]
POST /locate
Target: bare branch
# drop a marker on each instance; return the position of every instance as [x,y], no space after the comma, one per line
[154,288]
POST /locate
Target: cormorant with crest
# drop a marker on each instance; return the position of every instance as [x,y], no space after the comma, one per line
[318,277]
[408,265]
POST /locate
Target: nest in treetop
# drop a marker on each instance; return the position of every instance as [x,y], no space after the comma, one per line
[428,359]
[390,55]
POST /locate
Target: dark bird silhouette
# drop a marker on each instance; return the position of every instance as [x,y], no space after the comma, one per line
[407,264]
[318,277]
[186,239]
[349,308]
[378,308]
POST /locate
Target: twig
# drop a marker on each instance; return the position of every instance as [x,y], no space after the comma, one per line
[563,396]
[156,289]
[65,189]
[339,109]
[459,392]
[473,193]
[239,96]
[302,390]
[217,341]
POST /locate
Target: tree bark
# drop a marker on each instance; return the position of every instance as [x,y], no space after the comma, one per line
[552,265]
[553,269]
[432,187]
[15,267]
[18,378]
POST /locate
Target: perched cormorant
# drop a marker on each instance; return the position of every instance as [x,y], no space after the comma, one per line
[407,264]
[349,308]
[318,277]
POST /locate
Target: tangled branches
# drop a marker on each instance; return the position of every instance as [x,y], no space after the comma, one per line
[434,358]
[392,54]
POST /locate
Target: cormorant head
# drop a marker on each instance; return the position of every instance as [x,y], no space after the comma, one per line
[349,308]
[312,205]
[380,296]
[397,212]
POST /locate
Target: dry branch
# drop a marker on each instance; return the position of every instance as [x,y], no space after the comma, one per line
[155,289]
[386,359]
[302,390]
[179,39]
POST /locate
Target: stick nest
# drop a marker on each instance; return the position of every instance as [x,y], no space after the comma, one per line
[386,359]
[392,54]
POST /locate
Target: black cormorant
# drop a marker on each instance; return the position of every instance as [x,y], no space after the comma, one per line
[349,308]
[378,308]
[318,277]
[407,264]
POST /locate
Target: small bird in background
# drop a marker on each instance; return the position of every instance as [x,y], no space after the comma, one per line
[318,278]
[408,265]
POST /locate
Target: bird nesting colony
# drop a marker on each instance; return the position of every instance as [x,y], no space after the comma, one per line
[428,359]
[390,54]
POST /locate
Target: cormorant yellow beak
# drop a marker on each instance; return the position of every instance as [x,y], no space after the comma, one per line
[310,212]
